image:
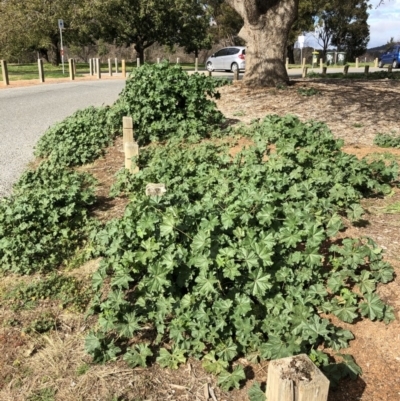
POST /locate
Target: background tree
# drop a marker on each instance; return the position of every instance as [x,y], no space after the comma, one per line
[33,25]
[345,26]
[308,10]
[225,23]
[144,22]
[194,33]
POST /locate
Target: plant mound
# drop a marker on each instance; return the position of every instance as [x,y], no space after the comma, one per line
[387,141]
[80,138]
[165,102]
[45,220]
[239,257]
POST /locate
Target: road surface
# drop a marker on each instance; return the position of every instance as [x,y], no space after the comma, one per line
[26,113]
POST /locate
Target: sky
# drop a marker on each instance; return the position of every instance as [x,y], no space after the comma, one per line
[384,23]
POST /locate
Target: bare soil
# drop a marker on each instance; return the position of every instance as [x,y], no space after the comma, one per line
[355,111]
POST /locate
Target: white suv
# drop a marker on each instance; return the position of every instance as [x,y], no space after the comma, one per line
[228,59]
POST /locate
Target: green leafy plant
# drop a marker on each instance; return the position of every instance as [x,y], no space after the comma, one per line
[255,393]
[45,394]
[387,140]
[308,91]
[68,290]
[80,138]
[165,102]
[45,220]
[82,369]
[44,323]
[239,256]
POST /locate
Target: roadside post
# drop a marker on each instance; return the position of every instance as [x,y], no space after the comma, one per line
[138,62]
[90,66]
[314,59]
[71,63]
[4,70]
[61,27]
[116,65]
[98,68]
[123,68]
[41,71]
[110,72]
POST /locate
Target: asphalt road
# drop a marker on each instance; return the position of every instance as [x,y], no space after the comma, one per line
[26,113]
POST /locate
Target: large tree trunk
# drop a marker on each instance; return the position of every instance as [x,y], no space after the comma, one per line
[266,28]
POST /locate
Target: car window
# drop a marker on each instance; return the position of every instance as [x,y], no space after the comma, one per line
[244,51]
[222,52]
[233,51]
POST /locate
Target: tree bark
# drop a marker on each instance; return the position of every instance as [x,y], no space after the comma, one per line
[266,28]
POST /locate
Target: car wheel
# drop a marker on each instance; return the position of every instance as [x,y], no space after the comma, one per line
[380,64]
[209,66]
[394,65]
[234,67]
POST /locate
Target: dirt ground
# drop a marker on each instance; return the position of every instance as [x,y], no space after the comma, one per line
[355,111]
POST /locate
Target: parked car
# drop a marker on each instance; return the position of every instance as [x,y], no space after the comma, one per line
[392,56]
[228,59]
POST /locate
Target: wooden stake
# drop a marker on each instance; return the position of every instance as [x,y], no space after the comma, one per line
[321,63]
[138,62]
[110,72]
[366,69]
[305,71]
[4,71]
[376,63]
[123,68]
[90,67]
[177,60]
[390,68]
[127,130]
[210,73]
[236,75]
[196,65]
[131,149]
[324,70]
[357,62]
[304,62]
[116,65]
[41,71]
[71,69]
[296,379]
[345,70]
[98,68]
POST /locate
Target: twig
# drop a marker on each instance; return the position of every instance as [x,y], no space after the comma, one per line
[211,391]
